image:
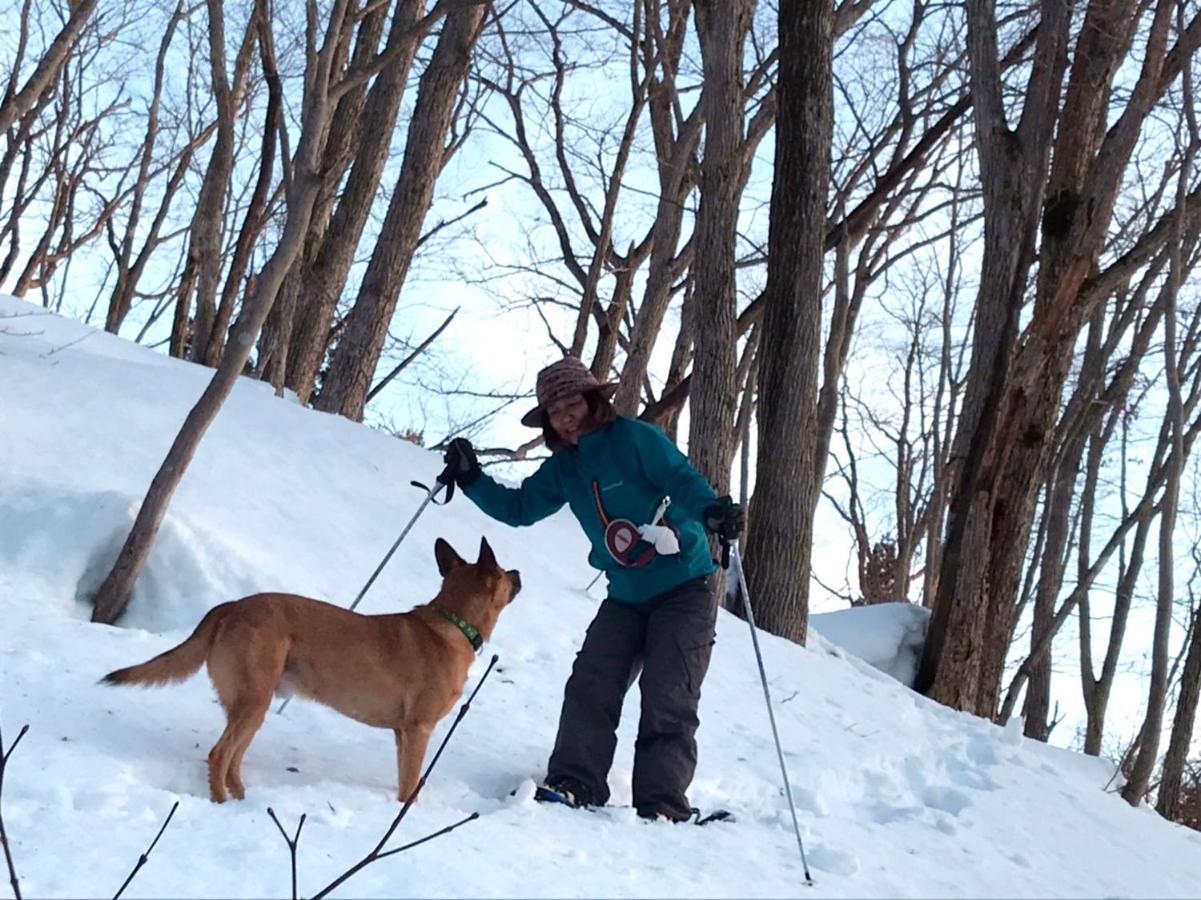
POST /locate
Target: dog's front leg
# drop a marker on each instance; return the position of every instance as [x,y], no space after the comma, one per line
[400,759]
[411,743]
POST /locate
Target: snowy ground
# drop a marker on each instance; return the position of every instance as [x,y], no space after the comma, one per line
[897,796]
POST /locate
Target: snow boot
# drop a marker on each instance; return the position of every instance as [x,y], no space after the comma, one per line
[566,791]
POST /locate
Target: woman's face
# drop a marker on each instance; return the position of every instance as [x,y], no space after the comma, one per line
[569,417]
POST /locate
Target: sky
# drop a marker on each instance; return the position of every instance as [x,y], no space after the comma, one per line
[896,796]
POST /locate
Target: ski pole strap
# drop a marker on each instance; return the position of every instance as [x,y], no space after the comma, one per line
[725,553]
[444,478]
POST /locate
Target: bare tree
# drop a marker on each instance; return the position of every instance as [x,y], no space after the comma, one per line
[298,334]
[130,261]
[721,29]
[18,99]
[1135,788]
[1014,388]
[323,83]
[204,247]
[360,342]
[60,156]
[781,524]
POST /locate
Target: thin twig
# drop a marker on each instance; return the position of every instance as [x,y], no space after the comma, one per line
[378,852]
[8,857]
[145,856]
[429,837]
[291,842]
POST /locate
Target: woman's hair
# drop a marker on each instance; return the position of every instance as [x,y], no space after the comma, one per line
[600,414]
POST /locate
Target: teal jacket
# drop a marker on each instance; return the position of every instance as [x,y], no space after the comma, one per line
[613,480]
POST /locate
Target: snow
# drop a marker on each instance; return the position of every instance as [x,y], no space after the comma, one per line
[888,636]
[896,795]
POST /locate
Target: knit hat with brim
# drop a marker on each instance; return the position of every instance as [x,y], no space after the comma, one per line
[562,379]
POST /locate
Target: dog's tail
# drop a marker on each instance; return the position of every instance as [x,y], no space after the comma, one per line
[177,663]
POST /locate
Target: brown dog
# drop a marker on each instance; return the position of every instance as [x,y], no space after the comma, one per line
[402,671]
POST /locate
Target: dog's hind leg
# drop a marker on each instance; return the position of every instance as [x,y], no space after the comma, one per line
[411,747]
[245,672]
[251,721]
[219,758]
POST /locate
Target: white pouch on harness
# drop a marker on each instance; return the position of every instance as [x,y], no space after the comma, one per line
[663,538]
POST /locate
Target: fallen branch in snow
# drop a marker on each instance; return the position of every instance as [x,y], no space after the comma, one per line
[8,857]
[146,856]
[291,842]
[378,852]
[9,333]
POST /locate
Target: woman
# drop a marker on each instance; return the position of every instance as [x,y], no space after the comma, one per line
[620,476]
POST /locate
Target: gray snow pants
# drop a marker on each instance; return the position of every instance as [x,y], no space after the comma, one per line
[672,636]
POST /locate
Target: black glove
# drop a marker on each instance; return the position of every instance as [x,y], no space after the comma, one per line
[461,465]
[725,519]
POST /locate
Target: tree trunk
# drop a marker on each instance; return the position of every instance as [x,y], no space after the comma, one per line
[1057,528]
[721,27]
[1052,564]
[344,132]
[1136,787]
[16,104]
[354,360]
[305,343]
[1011,405]
[1169,799]
[780,537]
[676,153]
[204,247]
[1172,779]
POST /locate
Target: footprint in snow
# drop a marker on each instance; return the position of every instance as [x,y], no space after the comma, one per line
[829,859]
[946,799]
[809,801]
[935,796]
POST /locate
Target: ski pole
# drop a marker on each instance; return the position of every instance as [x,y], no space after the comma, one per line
[727,546]
[444,481]
[431,494]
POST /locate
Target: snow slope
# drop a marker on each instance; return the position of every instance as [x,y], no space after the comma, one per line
[897,796]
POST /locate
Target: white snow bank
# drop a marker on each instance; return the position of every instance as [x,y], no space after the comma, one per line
[887,636]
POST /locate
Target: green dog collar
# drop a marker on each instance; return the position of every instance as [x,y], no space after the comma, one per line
[469,631]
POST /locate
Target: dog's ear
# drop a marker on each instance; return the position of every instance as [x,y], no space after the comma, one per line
[487,557]
[448,560]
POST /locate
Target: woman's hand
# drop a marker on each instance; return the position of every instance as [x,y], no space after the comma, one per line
[725,519]
[461,463]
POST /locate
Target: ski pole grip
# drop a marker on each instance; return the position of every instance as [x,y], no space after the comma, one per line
[447,479]
[725,554]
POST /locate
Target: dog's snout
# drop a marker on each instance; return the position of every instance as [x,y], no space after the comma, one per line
[515,577]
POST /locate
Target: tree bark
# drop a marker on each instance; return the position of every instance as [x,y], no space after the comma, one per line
[302,347]
[721,28]
[780,536]
[1168,803]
